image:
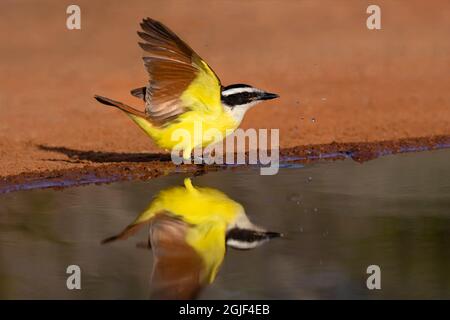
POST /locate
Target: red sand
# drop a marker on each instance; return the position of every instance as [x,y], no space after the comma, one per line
[358,85]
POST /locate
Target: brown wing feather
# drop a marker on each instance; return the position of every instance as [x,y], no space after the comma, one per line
[172,65]
[177,267]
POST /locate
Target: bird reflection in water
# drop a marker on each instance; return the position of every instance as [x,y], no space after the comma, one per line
[190,228]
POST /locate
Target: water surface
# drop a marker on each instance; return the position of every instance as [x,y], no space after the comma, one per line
[337,217]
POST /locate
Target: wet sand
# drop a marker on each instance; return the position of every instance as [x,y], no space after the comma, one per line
[341,85]
[110,167]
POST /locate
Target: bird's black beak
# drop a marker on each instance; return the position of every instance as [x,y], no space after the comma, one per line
[267,96]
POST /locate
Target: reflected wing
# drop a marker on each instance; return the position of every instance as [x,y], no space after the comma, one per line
[179,79]
[186,257]
[177,267]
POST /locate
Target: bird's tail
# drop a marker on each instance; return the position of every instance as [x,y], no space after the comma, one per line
[120,105]
[137,116]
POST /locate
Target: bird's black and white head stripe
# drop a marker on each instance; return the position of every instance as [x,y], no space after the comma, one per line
[240,94]
[248,239]
[244,95]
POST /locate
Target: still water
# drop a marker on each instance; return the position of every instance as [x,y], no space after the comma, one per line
[337,219]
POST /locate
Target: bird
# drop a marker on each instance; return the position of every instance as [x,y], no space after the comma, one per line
[183,92]
[189,230]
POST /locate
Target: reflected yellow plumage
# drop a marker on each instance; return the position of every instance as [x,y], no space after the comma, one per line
[189,230]
[207,210]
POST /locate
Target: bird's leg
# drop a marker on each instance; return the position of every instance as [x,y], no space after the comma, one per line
[207,159]
[187,156]
[197,159]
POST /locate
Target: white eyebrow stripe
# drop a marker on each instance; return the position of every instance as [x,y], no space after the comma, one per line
[239,90]
[244,245]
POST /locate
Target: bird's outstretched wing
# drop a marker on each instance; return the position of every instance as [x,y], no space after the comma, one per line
[177,267]
[179,79]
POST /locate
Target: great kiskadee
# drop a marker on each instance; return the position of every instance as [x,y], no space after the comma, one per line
[183,92]
[189,230]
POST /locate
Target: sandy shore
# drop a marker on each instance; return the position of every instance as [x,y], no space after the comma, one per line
[111,167]
[338,81]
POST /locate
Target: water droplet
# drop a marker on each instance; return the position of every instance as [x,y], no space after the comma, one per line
[313,120]
[295,198]
[301,229]
[309,179]
[316,210]
[324,99]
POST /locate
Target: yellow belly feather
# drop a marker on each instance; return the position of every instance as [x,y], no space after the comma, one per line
[165,137]
[202,97]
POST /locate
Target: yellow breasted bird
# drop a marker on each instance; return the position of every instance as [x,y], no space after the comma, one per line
[183,91]
[190,228]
